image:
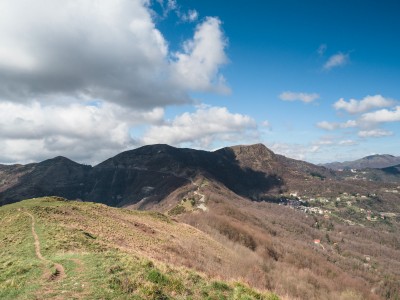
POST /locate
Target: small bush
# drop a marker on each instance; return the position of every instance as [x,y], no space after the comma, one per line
[220,286]
[177,210]
[156,277]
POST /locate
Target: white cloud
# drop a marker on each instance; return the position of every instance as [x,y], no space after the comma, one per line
[382,116]
[83,132]
[322,49]
[317,151]
[58,56]
[323,143]
[314,148]
[359,106]
[334,125]
[374,133]
[347,143]
[197,66]
[167,6]
[294,96]
[327,125]
[109,50]
[201,128]
[295,151]
[172,4]
[191,16]
[349,124]
[337,60]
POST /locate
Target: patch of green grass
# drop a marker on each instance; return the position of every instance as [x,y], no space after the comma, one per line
[19,267]
[94,268]
[177,210]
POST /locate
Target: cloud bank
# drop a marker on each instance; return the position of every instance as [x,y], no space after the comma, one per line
[76,76]
[33,132]
[107,50]
[201,128]
[334,125]
[367,122]
[374,133]
[382,116]
[354,106]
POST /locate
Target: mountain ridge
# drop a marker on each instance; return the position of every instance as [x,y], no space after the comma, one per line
[151,173]
[376,161]
[160,166]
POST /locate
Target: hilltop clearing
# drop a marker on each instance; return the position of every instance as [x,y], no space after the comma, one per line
[56,249]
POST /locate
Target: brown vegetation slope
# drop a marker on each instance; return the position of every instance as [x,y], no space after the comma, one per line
[349,262]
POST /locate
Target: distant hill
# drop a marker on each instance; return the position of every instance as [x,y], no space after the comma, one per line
[151,173]
[377,161]
[394,170]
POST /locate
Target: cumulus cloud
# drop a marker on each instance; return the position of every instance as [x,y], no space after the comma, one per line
[334,125]
[382,116]
[197,66]
[201,128]
[87,133]
[108,50]
[336,60]
[77,76]
[374,133]
[354,106]
[295,96]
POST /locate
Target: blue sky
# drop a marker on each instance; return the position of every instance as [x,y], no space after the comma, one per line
[277,46]
[313,80]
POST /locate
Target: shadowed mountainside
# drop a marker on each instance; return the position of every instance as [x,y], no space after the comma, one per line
[150,174]
[153,172]
[393,170]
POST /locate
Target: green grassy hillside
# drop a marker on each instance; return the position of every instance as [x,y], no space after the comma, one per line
[91,251]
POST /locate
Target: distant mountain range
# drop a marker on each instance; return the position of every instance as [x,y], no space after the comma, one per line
[378,161]
[150,173]
[146,176]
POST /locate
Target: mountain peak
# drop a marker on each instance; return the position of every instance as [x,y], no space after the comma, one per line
[251,146]
[58,160]
[255,149]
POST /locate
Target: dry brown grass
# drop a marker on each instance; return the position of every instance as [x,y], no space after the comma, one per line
[285,259]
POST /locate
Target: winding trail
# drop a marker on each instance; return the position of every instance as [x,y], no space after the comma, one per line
[59,269]
[202,200]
